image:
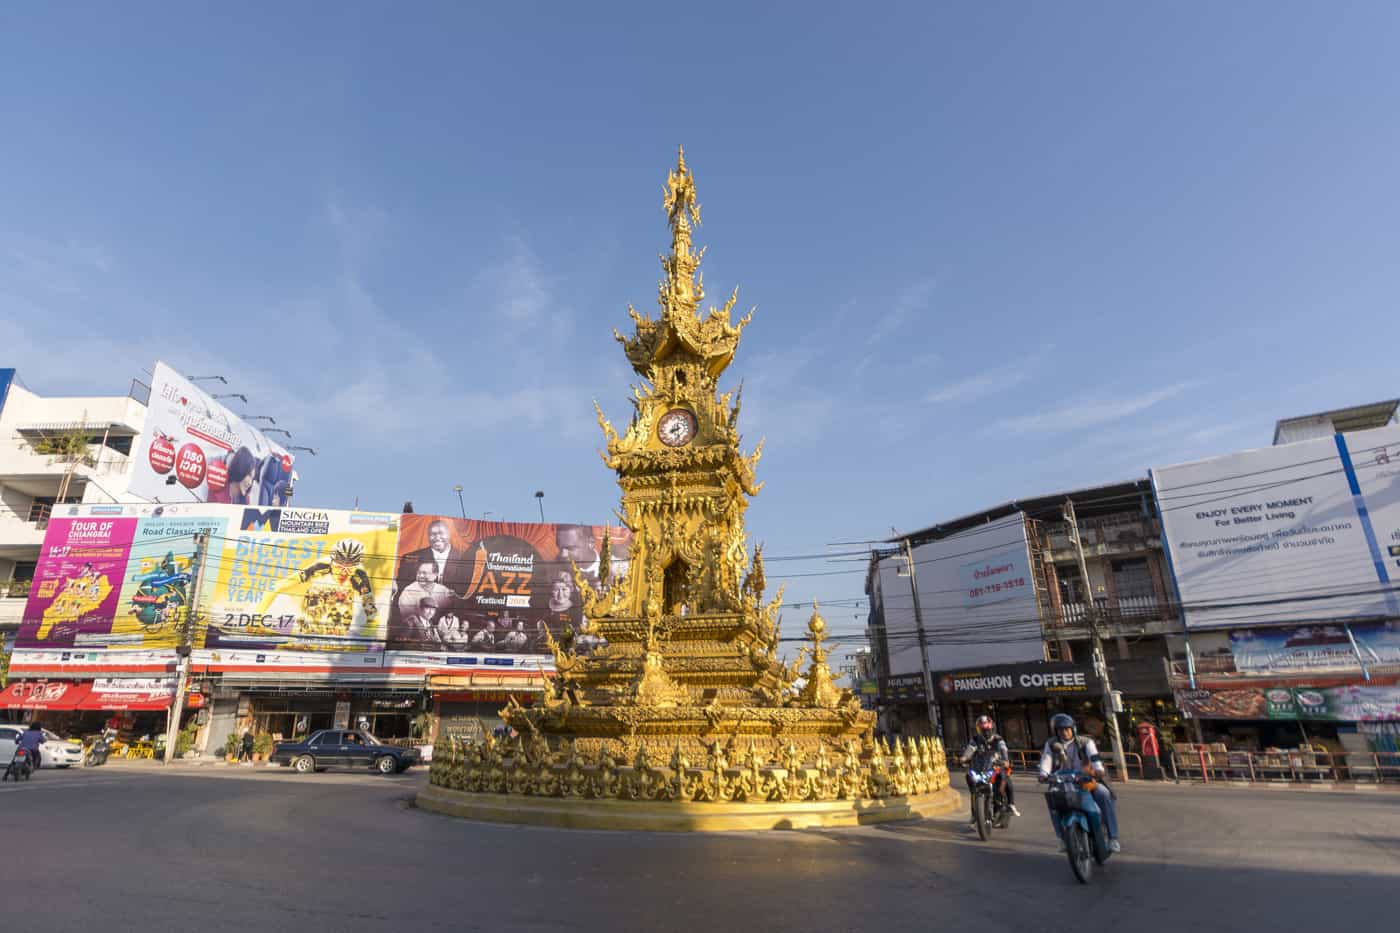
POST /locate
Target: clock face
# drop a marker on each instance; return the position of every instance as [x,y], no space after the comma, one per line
[676,428]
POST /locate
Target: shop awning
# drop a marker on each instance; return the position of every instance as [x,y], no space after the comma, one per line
[48,694]
[135,695]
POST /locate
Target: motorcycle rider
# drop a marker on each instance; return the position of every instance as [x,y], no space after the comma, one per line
[1068,751]
[986,750]
[30,740]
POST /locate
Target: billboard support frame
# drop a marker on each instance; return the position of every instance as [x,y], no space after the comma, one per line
[182,678]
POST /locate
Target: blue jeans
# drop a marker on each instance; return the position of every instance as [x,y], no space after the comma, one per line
[1106,807]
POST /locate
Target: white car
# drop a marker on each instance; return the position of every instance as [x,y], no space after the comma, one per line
[54,753]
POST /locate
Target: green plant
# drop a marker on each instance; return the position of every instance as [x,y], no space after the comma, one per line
[262,744]
[4,668]
[231,744]
[184,741]
[67,447]
[422,725]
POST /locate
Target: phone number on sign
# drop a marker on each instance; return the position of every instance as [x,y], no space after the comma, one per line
[992,588]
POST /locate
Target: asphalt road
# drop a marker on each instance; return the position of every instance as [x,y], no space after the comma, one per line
[214,849]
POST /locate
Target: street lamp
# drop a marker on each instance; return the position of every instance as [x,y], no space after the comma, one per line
[268,418]
[539,497]
[201,378]
[278,431]
[310,450]
[237,395]
[460,504]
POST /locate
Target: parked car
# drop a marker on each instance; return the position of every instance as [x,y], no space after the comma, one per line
[54,753]
[343,748]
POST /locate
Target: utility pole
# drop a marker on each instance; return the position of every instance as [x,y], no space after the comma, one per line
[933,719]
[182,650]
[1091,612]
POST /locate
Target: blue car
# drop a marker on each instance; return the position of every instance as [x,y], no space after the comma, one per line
[354,749]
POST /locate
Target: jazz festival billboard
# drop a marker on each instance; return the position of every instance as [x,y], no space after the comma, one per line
[1291,534]
[493,587]
[977,597]
[209,453]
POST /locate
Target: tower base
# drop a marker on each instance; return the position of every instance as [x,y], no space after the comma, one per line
[682,816]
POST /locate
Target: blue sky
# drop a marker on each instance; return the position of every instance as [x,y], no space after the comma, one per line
[997,250]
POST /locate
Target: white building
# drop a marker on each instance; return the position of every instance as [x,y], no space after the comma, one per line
[54,450]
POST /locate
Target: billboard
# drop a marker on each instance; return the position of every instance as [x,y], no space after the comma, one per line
[296,588]
[977,598]
[114,577]
[301,580]
[1316,648]
[7,378]
[492,587]
[1355,703]
[1287,534]
[195,448]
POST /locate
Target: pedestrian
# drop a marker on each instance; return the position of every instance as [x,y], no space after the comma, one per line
[245,748]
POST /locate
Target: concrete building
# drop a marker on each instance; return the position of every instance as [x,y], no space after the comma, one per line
[1128,590]
[55,449]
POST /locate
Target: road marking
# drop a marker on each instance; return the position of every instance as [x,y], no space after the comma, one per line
[8,788]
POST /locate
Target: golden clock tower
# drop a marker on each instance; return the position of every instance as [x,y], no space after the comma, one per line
[684,697]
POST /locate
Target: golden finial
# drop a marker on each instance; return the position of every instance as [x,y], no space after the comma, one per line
[680,195]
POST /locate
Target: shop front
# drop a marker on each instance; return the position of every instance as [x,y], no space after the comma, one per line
[1020,698]
[469,704]
[135,708]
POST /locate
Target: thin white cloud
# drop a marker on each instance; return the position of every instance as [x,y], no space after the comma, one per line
[979,386]
[906,303]
[1091,412]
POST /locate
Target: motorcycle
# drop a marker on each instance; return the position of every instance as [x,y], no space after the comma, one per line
[21,766]
[99,751]
[1081,821]
[990,810]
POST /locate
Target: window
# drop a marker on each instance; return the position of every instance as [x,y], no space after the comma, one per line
[326,738]
[9,735]
[1132,578]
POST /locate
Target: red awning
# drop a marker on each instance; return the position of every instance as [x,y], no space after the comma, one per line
[47,694]
[119,699]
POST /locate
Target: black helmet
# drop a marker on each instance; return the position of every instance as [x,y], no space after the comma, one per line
[1062,721]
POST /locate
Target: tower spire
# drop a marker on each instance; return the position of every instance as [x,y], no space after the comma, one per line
[681,290]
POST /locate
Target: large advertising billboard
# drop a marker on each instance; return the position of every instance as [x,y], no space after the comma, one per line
[115,577]
[193,448]
[306,588]
[1289,534]
[301,580]
[977,598]
[493,587]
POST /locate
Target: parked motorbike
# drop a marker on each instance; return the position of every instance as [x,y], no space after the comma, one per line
[990,810]
[1079,817]
[21,766]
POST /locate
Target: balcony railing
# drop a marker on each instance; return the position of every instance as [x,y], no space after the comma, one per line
[1126,609]
[15,589]
[1112,533]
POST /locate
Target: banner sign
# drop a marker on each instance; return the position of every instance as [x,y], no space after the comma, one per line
[210,453]
[77,581]
[1315,647]
[302,580]
[1294,533]
[492,587]
[977,585]
[1345,704]
[1016,682]
[116,577]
